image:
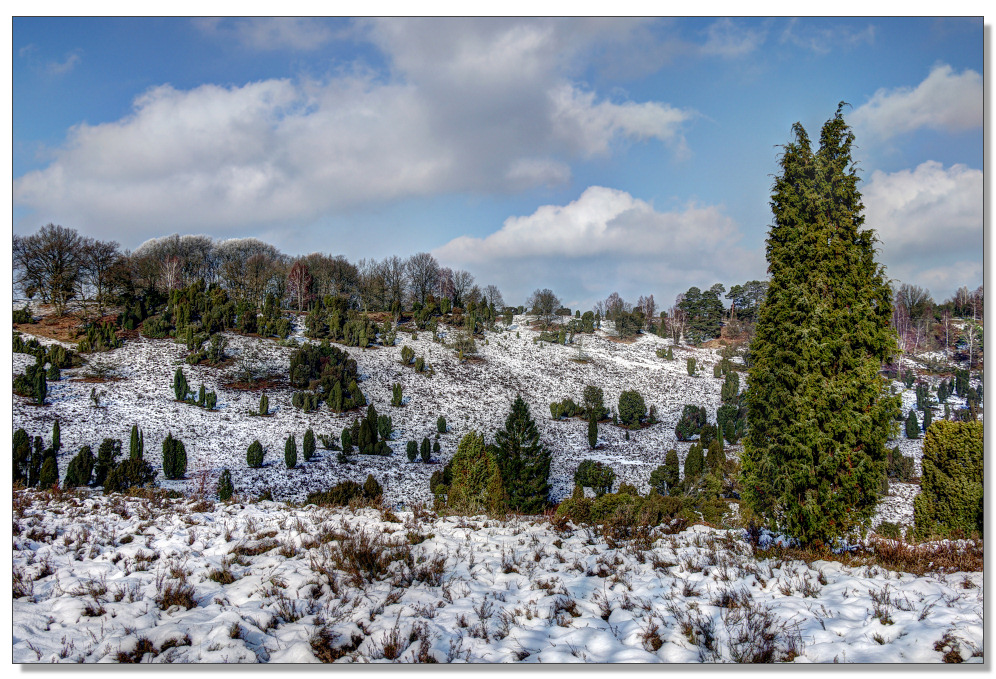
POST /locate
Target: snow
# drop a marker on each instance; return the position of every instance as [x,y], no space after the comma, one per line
[505,591]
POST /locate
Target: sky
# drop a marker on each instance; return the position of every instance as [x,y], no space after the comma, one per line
[588,156]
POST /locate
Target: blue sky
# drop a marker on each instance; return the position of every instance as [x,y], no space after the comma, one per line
[588,156]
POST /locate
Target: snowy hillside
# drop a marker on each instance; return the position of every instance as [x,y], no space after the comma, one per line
[114,579]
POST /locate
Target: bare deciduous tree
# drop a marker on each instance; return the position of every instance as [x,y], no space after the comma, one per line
[49,263]
[423,272]
[544,304]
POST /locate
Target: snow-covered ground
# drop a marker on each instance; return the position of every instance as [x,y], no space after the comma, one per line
[113,579]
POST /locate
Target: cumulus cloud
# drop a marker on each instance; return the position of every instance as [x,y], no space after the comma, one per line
[945,100]
[929,220]
[270,33]
[479,106]
[607,240]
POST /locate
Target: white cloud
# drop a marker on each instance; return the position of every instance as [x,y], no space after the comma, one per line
[65,66]
[480,106]
[825,39]
[726,39]
[945,100]
[270,33]
[929,220]
[607,240]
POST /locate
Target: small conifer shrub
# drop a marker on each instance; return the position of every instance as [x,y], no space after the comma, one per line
[264,405]
[174,458]
[950,502]
[254,456]
[309,444]
[180,387]
[425,450]
[912,425]
[80,469]
[441,424]
[411,449]
[225,487]
[396,395]
[690,364]
[290,452]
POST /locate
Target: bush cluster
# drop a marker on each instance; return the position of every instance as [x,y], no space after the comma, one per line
[950,501]
[328,371]
[595,475]
[565,408]
[693,418]
[345,492]
[99,337]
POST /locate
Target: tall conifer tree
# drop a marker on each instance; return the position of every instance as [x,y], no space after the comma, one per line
[523,460]
[819,414]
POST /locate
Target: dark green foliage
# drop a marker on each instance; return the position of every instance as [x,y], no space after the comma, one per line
[899,466]
[694,463]
[174,458]
[264,405]
[693,418]
[254,456]
[703,313]
[136,446]
[717,371]
[592,433]
[396,395]
[961,382]
[25,384]
[690,364]
[708,434]
[22,315]
[407,355]
[425,450]
[730,391]
[819,413]
[309,444]
[419,364]
[210,400]
[225,487]
[347,441]
[631,408]
[129,473]
[912,425]
[594,402]
[290,452]
[200,396]
[595,475]
[385,427]
[56,438]
[471,482]
[80,469]
[928,417]
[49,474]
[180,387]
[307,401]
[372,490]
[436,447]
[565,408]
[330,371]
[35,464]
[908,378]
[99,337]
[950,501]
[107,456]
[731,420]
[41,387]
[665,478]
[523,460]
[21,447]
[411,449]
[53,373]
[441,424]
[922,395]
[715,457]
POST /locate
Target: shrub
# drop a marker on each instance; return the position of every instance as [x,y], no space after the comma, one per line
[436,447]
[107,456]
[707,435]
[690,362]
[928,417]
[372,490]
[694,462]
[441,424]
[631,408]
[80,469]
[21,446]
[180,387]
[411,449]
[345,492]
[715,456]
[225,487]
[693,418]
[666,477]
[950,501]
[347,442]
[594,402]
[210,400]
[129,473]
[899,466]
[309,444]
[264,405]
[419,364]
[136,446]
[290,452]
[396,395]
[730,390]
[425,450]
[49,475]
[592,433]
[595,475]
[384,427]
[41,387]
[912,425]
[254,456]
[22,315]
[174,458]
[407,355]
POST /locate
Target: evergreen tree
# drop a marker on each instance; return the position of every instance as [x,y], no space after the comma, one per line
[174,458]
[34,467]
[951,499]
[475,483]
[107,456]
[22,455]
[290,452]
[347,441]
[928,417]
[41,387]
[264,405]
[80,469]
[136,448]
[254,456]
[912,425]
[411,449]
[180,387]
[225,487]
[436,448]
[309,444]
[715,456]
[694,463]
[441,424]
[49,473]
[425,450]
[523,460]
[56,438]
[819,414]
[592,432]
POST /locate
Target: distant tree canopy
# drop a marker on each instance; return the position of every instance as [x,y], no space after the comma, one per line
[703,313]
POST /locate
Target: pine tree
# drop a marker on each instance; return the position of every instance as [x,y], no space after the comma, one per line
[290,452]
[309,444]
[523,460]
[819,414]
